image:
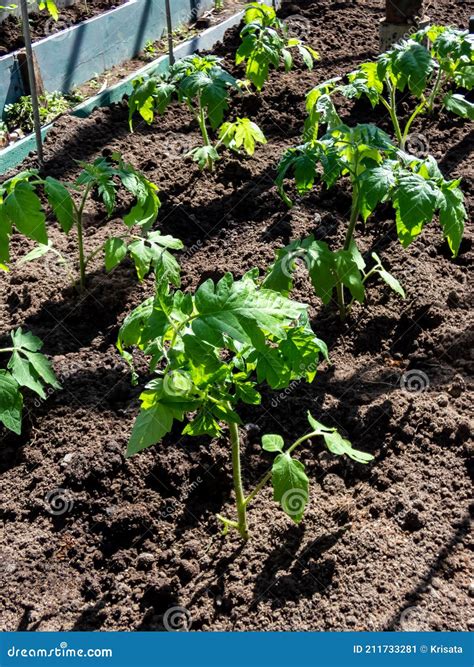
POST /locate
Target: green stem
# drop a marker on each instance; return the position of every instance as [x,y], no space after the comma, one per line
[416,113]
[348,240]
[80,238]
[368,275]
[392,109]
[204,132]
[242,526]
[435,90]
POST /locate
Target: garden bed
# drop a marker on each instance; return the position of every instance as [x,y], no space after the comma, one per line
[381,547]
[43,25]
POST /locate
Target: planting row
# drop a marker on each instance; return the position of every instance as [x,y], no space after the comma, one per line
[211,349]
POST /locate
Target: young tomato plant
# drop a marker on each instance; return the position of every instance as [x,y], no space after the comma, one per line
[378,173]
[20,207]
[210,350]
[26,367]
[204,86]
[408,65]
[453,52]
[266,43]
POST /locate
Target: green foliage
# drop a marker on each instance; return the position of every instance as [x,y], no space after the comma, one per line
[21,209]
[241,134]
[266,43]
[50,7]
[379,173]
[27,367]
[409,65]
[19,115]
[289,479]
[211,350]
[453,51]
[327,269]
[204,86]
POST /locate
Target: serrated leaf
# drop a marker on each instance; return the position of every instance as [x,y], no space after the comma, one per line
[61,202]
[23,208]
[248,394]
[149,428]
[375,186]
[115,251]
[415,200]
[25,374]
[25,339]
[142,256]
[235,308]
[11,402]
[459,105]
[452,214]
[242,133]
[43,368]
[340,446]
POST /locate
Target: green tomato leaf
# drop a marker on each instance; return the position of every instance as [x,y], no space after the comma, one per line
[340,446]
[43,368]
[234,309]
[25,374]
[115,251]
[11,402]
[415,200]
[452,214]
[387,277]
[61,202]
[273,443]
[290,486]
[23,208]
[25,339]
[459,105]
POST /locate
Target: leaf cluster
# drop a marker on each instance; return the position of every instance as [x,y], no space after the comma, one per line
[27,367]
[380,173]
[211,349]
[266,43]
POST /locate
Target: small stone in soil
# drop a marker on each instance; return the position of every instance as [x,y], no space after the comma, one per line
[145,561]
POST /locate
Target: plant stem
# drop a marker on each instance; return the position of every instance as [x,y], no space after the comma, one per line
[80,238]
[204,132]
[348,239]
[392,109]
[435,90]
[416,112]
[237,474]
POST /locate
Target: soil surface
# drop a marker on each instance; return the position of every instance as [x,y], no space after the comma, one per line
[383,546]
[43,25]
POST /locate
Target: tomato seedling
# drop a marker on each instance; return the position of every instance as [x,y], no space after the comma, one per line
[408,65]
[20,208]
[204,86]
[27,367]
[378,172]
[266,43]
[210,350]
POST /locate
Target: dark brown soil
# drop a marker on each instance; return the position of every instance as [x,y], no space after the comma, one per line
[381,547]
[43,25]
